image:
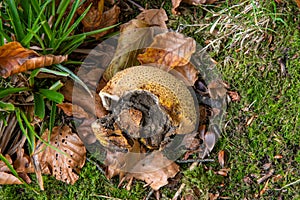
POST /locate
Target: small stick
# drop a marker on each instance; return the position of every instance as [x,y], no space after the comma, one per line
[179,191]
[137,5]
[98,166]
[290,184]
[195,160]
[149,195]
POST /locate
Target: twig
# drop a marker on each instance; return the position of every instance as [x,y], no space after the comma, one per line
[290,184]
[149,195]
[265,177]
[179,191]
[195,160]
[106,197]
[98,166]
[137,5]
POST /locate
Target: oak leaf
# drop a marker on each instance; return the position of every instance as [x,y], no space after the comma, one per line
[169,50]
[15,59]
[64,167]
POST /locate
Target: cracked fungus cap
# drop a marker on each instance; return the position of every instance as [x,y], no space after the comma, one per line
[173,95]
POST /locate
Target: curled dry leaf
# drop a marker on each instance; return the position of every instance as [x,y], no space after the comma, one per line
[169,50]
[133,38]
[176,3]
[64,167]
[15,59]
[23,165]
[6,178]
[73,110]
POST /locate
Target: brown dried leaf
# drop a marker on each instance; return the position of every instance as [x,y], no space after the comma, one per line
[221,158]
[109,18]
[23,165]
[170,50]
[85,101]
[73,110]
[216,89]
[188,73]
[154,17]
[93,17]
[234,96]
[155,169]
[176,3]
[15,59]
[132,38]
[63,167]
[5,177]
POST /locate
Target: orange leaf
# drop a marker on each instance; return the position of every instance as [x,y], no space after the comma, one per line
[170,50]
[15,59]
[63,167]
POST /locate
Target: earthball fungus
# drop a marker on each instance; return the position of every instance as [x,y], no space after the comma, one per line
[146,105]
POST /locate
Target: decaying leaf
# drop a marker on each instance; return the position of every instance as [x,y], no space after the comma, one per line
[221,158]
[133,38]
[176,3]
[234,96]
[98,17]
[216,89]
[73,110]
[155,169]
[6,178]
[89,104]
[170,50]
[93,17]
[188,73]
[154,17]
[23,165]
[15,59]
[64,167]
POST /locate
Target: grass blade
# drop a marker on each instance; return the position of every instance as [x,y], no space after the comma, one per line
[6,106]
[15,19]
[52,95]
[61,11]
[46,26]
[24,131]
[56,86]
[52,118]
[75,78]
[39,106]
[70,16]
[7,91]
